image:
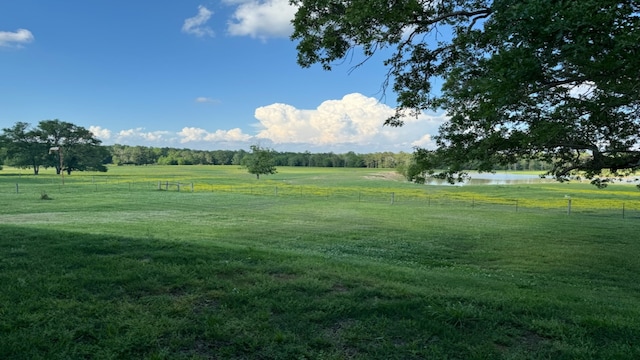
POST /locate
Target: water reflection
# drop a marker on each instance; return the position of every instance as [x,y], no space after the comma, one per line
[519,179]
[495,179]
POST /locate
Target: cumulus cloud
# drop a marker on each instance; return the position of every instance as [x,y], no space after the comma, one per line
[100,132]
[424,142]
[355,120]
[192,134]
[197,25]
[17,38]
[139,134]
[261,18]
[352,123]
[194,137]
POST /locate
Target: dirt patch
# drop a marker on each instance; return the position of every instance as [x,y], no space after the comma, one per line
[339,288]
[387,175]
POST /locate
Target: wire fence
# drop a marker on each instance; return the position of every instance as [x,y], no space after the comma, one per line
[570,206]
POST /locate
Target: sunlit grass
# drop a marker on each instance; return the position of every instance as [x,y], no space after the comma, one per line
[315,264]
[350,184]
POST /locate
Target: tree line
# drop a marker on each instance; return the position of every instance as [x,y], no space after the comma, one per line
[144,155]
[68,147]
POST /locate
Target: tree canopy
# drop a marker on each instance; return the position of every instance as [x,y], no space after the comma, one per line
[261,161]
[22,148]
[76,147]
[556,81]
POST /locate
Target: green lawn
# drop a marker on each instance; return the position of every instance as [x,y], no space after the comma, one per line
[325,267]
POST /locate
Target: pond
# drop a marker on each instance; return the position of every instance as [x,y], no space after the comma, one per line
[519,179]
[496,179]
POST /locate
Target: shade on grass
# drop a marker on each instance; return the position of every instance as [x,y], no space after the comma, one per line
[148,274]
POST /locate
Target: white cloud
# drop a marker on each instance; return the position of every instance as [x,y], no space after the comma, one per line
[21,36]
[425,142]
[138,134]
[197,25]
[355,120]
[261,18]
[204,99]
[353,123]
[583,90]
[100,133]
[194,137]
[191,134]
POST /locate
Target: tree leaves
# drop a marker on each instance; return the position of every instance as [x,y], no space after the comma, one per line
[556,80]
[261,161]
[27,147]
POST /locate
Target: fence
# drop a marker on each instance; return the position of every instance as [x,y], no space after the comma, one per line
[416,197]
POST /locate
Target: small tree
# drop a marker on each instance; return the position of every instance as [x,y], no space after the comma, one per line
[260,161]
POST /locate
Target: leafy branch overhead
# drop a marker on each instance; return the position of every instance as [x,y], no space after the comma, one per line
[534,79]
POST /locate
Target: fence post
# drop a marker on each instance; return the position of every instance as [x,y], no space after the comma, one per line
[393,197]
[159,185]
[178,187]
[17,189]
[191,187]
[569,206]
[276,191]
[166,186]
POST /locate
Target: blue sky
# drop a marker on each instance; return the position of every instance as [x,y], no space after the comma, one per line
[190,74]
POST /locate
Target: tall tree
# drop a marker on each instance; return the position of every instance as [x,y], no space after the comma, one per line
[77,146]
[260,161]
[22,147]
[86,158]
[544,80]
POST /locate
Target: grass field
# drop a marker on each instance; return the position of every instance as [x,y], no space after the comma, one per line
[313,264]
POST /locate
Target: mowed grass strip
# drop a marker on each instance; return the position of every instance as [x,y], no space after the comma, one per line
[167,275]
[334,184]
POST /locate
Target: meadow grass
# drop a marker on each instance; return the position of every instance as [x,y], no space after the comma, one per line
[113,271]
